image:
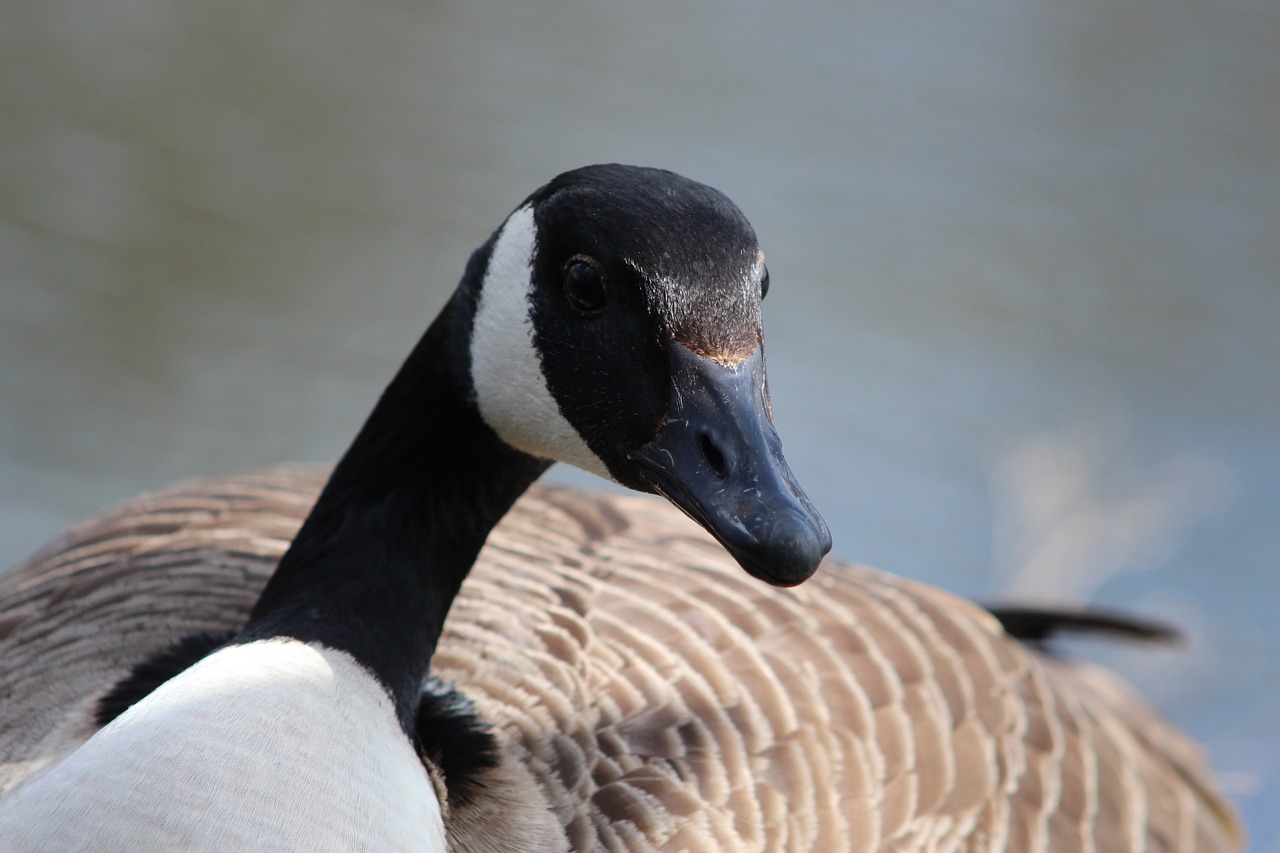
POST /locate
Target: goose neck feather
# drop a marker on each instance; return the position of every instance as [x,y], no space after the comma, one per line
[415,496]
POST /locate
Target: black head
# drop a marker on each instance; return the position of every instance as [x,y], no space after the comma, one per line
[618,329]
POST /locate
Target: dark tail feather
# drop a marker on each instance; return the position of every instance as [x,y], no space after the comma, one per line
[1036,626]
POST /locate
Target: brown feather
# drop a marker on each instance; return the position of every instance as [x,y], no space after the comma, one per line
[647,694]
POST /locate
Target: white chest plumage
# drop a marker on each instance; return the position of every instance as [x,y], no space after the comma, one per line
[273,745]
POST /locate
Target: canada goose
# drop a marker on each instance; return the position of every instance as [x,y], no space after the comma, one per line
[613,322]
[643,694]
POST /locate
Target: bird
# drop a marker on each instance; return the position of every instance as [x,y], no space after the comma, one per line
[422,648]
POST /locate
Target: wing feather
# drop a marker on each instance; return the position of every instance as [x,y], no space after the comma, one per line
[653,695]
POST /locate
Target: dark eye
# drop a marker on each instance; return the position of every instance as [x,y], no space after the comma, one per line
[764,283]
[584,284]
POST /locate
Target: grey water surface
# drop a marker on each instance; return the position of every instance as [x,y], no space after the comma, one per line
[1024,331]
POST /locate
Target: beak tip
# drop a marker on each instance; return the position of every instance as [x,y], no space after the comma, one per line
[790,554]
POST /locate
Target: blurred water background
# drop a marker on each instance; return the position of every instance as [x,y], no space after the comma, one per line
[1024,332]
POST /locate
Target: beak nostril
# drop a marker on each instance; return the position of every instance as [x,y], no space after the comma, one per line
[712,454]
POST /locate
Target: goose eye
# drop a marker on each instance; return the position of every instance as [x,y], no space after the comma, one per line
[584,284]
[764,284]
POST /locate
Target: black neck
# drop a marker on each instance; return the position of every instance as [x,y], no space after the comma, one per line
[379,560]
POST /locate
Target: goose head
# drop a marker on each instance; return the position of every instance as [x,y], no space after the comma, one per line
[616,327]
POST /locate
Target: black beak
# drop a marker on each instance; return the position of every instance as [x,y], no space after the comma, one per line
[719,459]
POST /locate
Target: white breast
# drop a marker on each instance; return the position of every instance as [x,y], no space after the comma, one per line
[273,745]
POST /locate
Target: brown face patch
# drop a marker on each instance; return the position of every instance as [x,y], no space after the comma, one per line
[722,324]
[715,311]
[726,353]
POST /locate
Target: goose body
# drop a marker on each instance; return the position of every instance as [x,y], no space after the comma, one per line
[632,688]
[646,692]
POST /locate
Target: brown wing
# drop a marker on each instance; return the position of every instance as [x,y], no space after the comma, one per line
[659,697]
[111,592]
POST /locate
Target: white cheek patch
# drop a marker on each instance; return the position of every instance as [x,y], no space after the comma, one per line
[511,390]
